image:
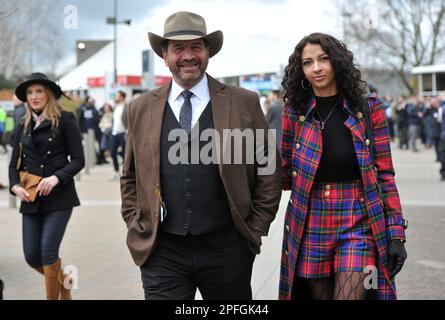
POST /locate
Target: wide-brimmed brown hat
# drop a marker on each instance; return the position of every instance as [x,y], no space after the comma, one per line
[184,25]
[37,78]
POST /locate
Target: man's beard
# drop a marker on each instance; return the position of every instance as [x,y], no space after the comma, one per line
[189,77]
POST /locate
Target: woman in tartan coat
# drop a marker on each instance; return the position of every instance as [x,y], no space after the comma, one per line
[344,215]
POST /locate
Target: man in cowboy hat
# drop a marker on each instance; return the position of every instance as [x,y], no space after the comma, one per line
[194,225]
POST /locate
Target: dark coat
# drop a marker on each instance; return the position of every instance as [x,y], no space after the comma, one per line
[273,117]
[45,153]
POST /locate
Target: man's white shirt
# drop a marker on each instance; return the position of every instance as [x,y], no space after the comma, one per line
[118,126]
[199,100]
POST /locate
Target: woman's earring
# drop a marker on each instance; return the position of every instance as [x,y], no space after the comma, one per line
[302,85]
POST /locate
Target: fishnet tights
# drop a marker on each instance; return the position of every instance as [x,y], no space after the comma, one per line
[344,286]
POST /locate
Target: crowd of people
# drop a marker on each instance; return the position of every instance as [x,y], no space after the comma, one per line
[413,120]
[109,125]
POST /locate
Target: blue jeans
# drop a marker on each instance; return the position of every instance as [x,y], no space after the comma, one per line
[42,235]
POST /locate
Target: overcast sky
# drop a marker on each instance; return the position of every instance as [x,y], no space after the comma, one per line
[249,26]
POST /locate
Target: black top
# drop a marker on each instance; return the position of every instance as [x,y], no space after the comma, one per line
[338,160]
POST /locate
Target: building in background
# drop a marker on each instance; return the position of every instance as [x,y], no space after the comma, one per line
[87,48]
[430,79]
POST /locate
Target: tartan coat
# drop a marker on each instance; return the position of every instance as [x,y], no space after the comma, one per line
[301,150]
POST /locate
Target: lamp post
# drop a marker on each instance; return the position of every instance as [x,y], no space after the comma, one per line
[346,16]
[115,22]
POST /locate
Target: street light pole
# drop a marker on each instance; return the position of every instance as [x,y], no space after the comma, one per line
[346,15]
[115,22]
[115,45]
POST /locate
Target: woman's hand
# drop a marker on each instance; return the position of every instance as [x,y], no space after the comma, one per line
[397,256]
[46,185]
[21,193]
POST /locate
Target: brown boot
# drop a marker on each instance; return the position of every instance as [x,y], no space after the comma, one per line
[39,270]
[64,294]
[52,284]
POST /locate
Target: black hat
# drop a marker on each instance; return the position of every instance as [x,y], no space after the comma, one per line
[37,78]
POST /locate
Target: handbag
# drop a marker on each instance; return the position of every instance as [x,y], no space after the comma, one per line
[28,180]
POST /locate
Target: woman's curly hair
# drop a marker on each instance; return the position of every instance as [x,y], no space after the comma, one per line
[350,86]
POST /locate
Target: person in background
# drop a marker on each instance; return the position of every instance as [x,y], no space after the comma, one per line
[387,103]
[3,116]
[88,118]
[441,119]
[427,122]
[47,144]
[435,126]
[415,115]
[265,104]
[402,123]
[9,129]
[19,113]
[273,115]
[106,126]
[118,132]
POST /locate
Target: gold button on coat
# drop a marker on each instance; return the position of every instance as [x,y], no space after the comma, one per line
[48,152]
[359,115]
[297,146]
[328,187]
[294,173]
[302,118]
[367,142]
[327,193]
[50,139]
[41,166]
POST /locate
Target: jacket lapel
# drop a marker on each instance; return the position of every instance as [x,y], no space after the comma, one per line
[45,123]
[27,139]
[355,122]
[157,104]
[220,101]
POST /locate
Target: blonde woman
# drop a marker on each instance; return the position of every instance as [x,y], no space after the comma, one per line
[49,146]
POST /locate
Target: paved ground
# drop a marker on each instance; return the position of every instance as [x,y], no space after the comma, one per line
[95,239]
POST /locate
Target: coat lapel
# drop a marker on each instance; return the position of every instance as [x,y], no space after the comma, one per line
[45,123]
[27,138]
[220,101]
[355,122]
[157,104]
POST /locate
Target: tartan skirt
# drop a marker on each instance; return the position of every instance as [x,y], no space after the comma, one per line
[337,235]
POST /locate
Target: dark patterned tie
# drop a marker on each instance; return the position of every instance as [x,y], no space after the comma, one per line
[185,116]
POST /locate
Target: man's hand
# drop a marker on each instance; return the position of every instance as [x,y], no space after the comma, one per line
[46,185]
